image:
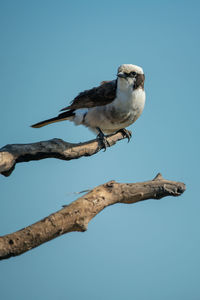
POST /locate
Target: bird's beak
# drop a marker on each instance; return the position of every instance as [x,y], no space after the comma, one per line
[121,75]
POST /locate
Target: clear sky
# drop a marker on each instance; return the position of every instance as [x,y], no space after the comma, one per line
[52,50]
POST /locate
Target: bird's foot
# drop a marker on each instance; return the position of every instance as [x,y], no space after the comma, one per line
[102,138]
[126,133]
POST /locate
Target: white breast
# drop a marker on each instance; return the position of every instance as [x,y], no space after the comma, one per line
[130,102]
[137,103]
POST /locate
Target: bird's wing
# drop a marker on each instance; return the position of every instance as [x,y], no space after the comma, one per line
[98,96]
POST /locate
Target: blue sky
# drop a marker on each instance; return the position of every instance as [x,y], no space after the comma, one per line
[52,50]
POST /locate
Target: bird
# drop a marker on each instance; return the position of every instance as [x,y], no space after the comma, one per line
[108,108]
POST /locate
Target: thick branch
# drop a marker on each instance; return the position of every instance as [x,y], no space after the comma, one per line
[76,216]
[55,148]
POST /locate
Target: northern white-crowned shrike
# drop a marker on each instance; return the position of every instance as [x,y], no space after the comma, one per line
[110,107]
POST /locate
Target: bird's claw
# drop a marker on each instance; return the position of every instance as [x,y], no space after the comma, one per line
[127,133]
[102,138]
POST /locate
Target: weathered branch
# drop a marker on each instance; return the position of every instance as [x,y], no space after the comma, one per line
[76,216]
[55,148]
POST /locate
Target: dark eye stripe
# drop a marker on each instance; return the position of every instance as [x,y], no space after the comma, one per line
[130,74]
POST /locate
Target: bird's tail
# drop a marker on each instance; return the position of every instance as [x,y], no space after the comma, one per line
[61,117]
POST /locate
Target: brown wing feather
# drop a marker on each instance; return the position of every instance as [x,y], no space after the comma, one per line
[101,95]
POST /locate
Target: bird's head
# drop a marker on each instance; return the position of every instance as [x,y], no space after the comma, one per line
[130,76]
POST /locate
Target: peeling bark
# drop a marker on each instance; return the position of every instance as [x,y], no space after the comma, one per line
[77,215]
[55,148]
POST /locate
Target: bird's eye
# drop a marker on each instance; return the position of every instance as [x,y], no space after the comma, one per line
[133,73]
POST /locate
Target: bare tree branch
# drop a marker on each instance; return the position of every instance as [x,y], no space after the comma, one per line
[76,216]
[55,148]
